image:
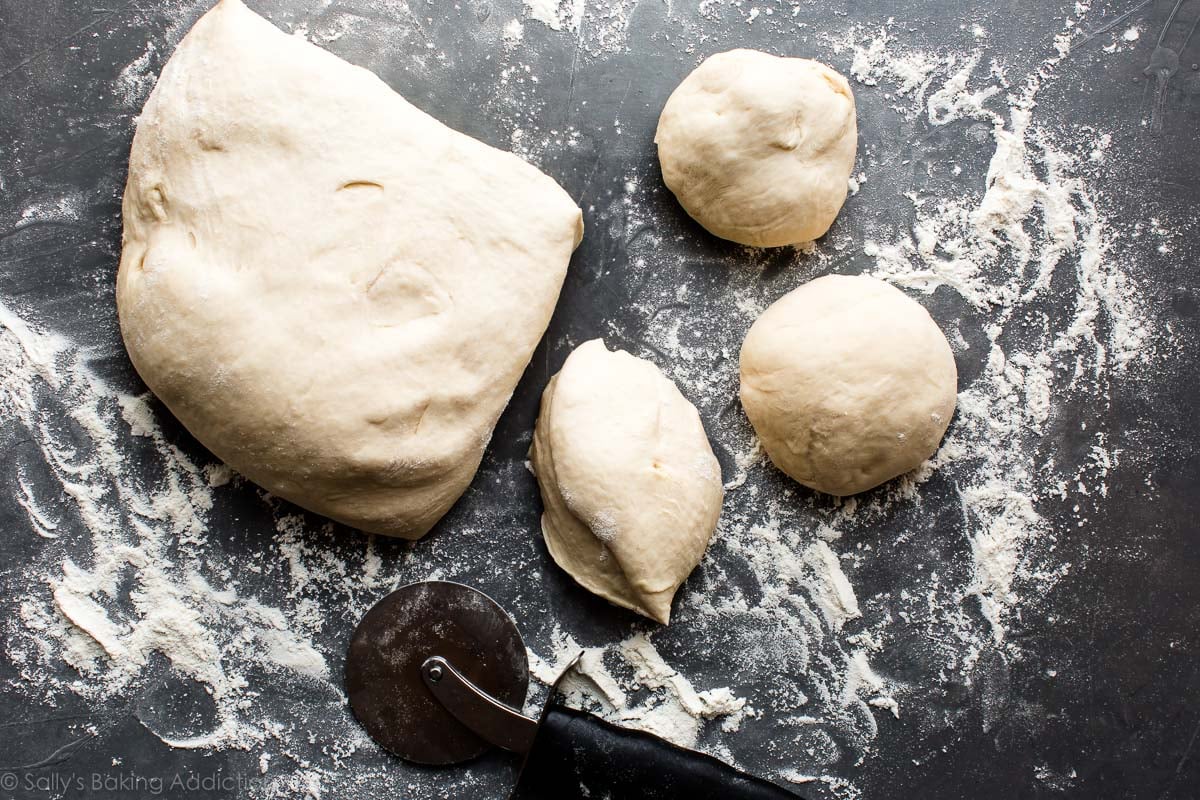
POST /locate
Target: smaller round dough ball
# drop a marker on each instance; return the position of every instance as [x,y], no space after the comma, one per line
[759,149]
[848,383]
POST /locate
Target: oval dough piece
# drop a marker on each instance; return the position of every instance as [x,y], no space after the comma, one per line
[759,149]
[334,292]
[631,488]
[848,383]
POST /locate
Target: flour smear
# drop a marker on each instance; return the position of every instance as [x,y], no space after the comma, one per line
[130,587]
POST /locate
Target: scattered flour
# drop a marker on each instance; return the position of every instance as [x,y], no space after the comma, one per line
[126,576]
[172,609]
[832,591]
[514,31]
[1039,213]
[558,15]
[135,81]
[674,710]
[601,29]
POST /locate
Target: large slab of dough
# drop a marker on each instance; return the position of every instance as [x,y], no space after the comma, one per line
[334,292]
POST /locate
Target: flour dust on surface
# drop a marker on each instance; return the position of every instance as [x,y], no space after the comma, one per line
[791,662]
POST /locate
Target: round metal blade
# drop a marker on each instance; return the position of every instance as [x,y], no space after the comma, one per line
[413,623]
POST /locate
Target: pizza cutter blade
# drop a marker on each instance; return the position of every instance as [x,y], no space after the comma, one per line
[437,674]
[383,668]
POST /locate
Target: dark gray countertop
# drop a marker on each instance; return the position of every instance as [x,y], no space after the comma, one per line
[1094,690]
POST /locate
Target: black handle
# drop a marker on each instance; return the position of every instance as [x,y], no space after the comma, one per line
[577,755]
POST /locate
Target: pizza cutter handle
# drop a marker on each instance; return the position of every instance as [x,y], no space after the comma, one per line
[577,755]
[502,725]
[572,754]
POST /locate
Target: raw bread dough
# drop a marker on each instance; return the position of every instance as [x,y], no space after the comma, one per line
[758,148]
[334,292]
[848,383]
[631,488]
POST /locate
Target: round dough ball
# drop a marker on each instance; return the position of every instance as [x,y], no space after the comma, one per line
[848,383]
[758,148]
[631,488]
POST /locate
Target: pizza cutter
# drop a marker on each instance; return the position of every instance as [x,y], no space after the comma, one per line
[437,674]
